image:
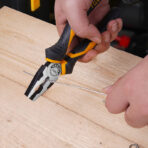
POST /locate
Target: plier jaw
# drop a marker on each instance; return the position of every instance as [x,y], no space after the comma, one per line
[44,78]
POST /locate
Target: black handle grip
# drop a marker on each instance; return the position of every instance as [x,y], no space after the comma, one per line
[57,52]
[86,44]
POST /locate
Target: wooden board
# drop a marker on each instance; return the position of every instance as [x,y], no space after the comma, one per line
[65,117]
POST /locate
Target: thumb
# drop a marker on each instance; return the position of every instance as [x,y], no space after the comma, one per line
[78,20]
[116,101]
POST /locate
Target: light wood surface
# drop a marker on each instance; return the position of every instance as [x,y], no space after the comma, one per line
[65,117]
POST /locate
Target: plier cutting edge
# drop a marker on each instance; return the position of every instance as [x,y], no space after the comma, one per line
[58,62]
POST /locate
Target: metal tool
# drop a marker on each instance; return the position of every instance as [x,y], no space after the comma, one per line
[60,63]
[134,146]
[76,86]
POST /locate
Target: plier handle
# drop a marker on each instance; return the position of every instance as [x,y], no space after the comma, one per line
[57,53]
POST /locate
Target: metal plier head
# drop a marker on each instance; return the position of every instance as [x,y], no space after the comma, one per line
[44,78]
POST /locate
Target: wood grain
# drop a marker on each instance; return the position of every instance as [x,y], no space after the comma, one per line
[64,117]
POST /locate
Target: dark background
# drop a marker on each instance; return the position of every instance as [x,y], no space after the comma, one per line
[134,36]
[45,12]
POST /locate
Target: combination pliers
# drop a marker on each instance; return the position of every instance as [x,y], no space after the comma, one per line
[58,62]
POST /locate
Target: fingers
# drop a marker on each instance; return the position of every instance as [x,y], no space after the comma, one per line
[61,19]
[129,94]
[116,102]
[98,49]
[89,56]
[114,27]
[108,36]
[120,24]
[136,118]
[80,22]
[83,26]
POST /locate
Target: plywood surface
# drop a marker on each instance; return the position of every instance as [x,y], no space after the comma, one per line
[64,117]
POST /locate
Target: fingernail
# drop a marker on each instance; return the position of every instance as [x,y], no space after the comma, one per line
[107,89]
[107,38]
[96,40]
[114,27]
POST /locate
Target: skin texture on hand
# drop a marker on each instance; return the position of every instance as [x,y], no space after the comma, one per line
[75,12]
[130,94]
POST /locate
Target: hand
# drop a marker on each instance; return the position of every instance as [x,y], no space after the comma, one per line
[75,12]
[130,94]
